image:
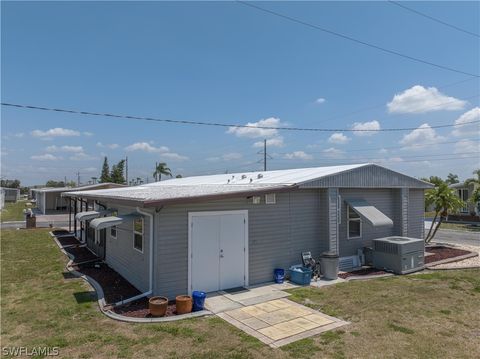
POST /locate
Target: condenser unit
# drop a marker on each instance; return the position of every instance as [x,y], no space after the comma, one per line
[400,255]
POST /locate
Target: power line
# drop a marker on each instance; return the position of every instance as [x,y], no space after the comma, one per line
[200,123]
[433,18]
[361,42]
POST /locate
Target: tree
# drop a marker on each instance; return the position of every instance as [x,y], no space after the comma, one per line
[10,183]
[160,170]
[476,179]
[444,201]
[116,174]
[433,180]
[53,183]
[178,176]
[452,178]
[105,175]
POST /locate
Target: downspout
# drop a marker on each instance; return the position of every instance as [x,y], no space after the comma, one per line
[150,263]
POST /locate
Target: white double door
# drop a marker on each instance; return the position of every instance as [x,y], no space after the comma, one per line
[218,250]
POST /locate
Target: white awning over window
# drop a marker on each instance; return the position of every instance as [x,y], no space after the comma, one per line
[369,213]
[107,222]
[88,215]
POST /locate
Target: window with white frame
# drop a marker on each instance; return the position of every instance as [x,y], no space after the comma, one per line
[354,224]
[270,198]
[138,234]
[463,195]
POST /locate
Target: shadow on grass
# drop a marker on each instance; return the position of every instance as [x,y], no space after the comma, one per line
[68,275]
[85,297]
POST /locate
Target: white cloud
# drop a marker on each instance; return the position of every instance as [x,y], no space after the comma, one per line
[364,126]
[55,132]
[88,134]
[298,155]
[338,138]
[419,99]
[424,134]
[271,142]
[320,100]
[467,147]
[89,169]
[469,116]
[163,150]
[82,156]
[45,157]
[333,153]
[254,132]
[112,146]
[64,149]
[19,135]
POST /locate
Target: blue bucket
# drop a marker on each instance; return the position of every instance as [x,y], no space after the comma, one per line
[198,300]
[279,275]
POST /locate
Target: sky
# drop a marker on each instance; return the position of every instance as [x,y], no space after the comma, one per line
[228,63]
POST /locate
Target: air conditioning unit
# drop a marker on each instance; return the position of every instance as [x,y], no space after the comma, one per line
[400,255]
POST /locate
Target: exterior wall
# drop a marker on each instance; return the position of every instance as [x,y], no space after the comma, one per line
[278,233]
[12,194]
[2,198]
[122,257]
[416,214]
[386,200]
[54,201]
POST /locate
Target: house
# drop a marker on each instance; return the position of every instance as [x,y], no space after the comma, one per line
[470,211]
[2,198]
[50,201]
[11,194]
[232,230]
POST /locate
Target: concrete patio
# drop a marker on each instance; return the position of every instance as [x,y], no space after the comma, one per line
[265,313]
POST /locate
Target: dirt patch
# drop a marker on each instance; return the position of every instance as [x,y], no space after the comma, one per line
[139,309]
[442,252]
[115,287]
[67,241]
[362,272]
[81,254]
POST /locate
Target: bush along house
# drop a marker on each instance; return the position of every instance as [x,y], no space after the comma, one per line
[231,230]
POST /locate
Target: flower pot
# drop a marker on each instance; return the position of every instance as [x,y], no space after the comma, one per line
[158,306]
[184,304]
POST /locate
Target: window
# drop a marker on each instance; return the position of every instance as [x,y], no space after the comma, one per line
[354,224]
[463,195]
[270,198]
[138,234]
[256,199]
[113,232]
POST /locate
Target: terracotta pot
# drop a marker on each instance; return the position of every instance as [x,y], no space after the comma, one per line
[158,306]
[184,304]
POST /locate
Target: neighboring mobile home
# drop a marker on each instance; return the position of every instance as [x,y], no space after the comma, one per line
[231,230]
[470,211]
[50,201]
[11,194]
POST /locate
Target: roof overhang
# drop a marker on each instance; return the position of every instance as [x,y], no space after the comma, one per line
[107,222]
[88,215]
[369,213]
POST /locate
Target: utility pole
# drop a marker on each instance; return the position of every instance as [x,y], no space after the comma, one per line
[265,155]
[78,179]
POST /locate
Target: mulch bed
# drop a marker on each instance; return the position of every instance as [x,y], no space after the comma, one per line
[441,252]
[139,309]
[362,272]
[67,241]
[81,254]
[115,287]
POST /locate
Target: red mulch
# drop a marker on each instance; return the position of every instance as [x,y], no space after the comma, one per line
[81,254]
[67,241]
[360,272]
[139,309]
[115,287]
[441,252]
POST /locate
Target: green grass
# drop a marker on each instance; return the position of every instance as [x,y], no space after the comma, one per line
[425,315]
[460,227]
[13,211]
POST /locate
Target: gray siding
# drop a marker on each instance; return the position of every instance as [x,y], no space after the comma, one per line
[386,200]
[333,225]
[121,256]
[416,214]
[371,176]
[278,233]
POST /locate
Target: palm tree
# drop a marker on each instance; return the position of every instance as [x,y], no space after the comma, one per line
[444,201]
[161,169]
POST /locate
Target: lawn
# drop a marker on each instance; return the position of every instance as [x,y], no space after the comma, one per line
[13,211]
[426,315]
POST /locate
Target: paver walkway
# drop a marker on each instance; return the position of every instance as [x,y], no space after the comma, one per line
[280,322]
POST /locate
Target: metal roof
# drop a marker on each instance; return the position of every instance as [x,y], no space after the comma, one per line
[88,215]
[370,213]
[106,222]
[219,186]
[80,188]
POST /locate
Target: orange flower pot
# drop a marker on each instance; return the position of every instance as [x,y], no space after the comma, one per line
[184,304]
[158,306]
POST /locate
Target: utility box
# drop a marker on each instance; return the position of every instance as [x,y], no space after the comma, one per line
[400,255]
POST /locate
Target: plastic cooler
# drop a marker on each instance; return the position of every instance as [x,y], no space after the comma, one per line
[300,275]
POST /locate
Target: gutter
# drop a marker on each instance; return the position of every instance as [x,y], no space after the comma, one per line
[150,263]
